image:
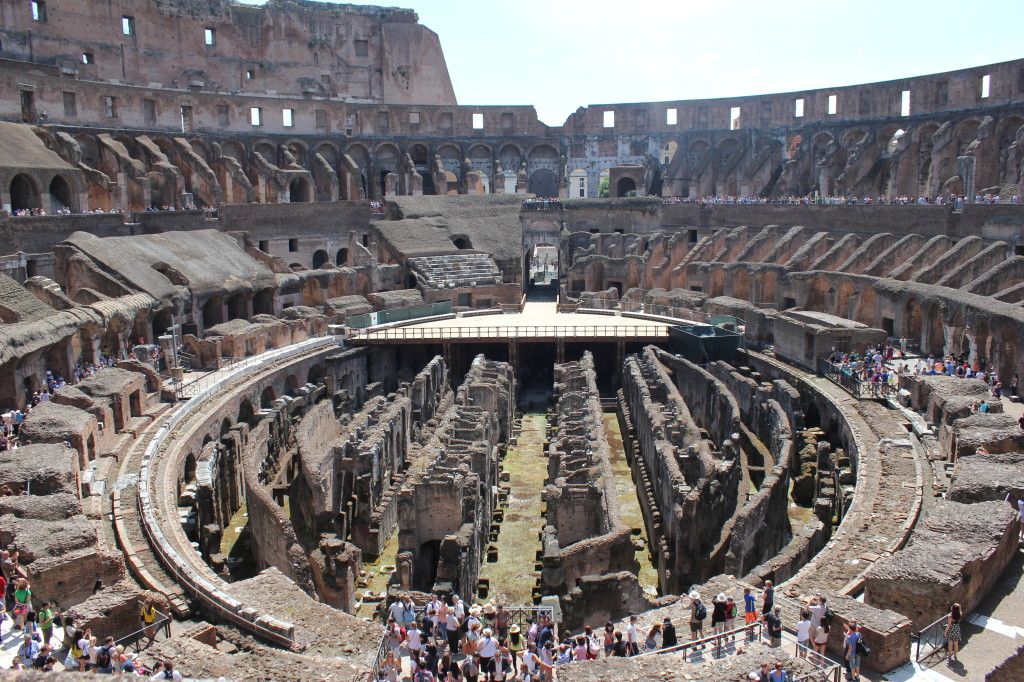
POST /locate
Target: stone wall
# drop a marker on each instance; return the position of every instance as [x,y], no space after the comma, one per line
[990,477]
[679,474]
[585,534]
[114,611]
[272,535]
[956,554]
[447,501]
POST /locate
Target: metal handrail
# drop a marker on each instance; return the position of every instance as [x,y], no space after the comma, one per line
[830,674]
[854,386]
[932,637]
[715,640]
[132,639]
[511,332]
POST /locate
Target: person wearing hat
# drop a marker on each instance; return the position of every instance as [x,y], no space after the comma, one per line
[500,620]
[515,637]
[698,613]
[474,616]
[718,614]
[487,649]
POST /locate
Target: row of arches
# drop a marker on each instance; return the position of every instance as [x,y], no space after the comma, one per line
[935,324]
[26,192]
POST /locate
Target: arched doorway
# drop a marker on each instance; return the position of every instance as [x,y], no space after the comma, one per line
[263,302]
[213,312]
[319,258]
[625,186]
[247,414]
[237,307]
[60,194]
[267,398]
[425,569]
[298,191]
[161,323]
[544,183]
[462,242]
[23,193]
[342,257]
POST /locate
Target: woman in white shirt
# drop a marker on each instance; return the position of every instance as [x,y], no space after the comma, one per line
[803,634]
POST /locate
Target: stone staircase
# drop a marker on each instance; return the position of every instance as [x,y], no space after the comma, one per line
[456,270]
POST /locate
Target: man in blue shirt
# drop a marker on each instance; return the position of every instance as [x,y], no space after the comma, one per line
[852,659]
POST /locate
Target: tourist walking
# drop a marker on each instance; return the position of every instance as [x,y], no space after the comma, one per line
[698,613]
[609,639]
[668,634]
[718,614]
[803,634]
[821,631]
[767,598]
[773,621]
[652,642]
[631,641]
[851,650]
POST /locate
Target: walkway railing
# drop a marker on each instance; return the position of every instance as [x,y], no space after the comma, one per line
[719,643]
[133,641]
[857,388]
[194,576]
[931,640]
[622,331]
[654,310]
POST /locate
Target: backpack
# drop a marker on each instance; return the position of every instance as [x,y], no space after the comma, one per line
[730,611]
[702,611]
[828,615]
[103,657]
[862,648]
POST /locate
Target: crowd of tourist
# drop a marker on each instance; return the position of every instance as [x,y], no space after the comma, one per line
[448,639]
[23,212]
[901,200]
[50,640]
[881,367]
[541,204]
[11,420]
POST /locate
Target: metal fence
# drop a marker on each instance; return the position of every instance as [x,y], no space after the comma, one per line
[621,331]
[727,643]
[931,640]
[133,641]
[721,645]
[862,390]
[399,315]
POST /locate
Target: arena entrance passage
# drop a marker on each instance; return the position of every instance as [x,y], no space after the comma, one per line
[425,571]
[544,183]
[24,194]
[298,191]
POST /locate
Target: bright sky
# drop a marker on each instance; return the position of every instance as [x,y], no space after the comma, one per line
[562,54]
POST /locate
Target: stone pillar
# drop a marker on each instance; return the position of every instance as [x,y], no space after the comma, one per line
[122,197]
[965,167]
